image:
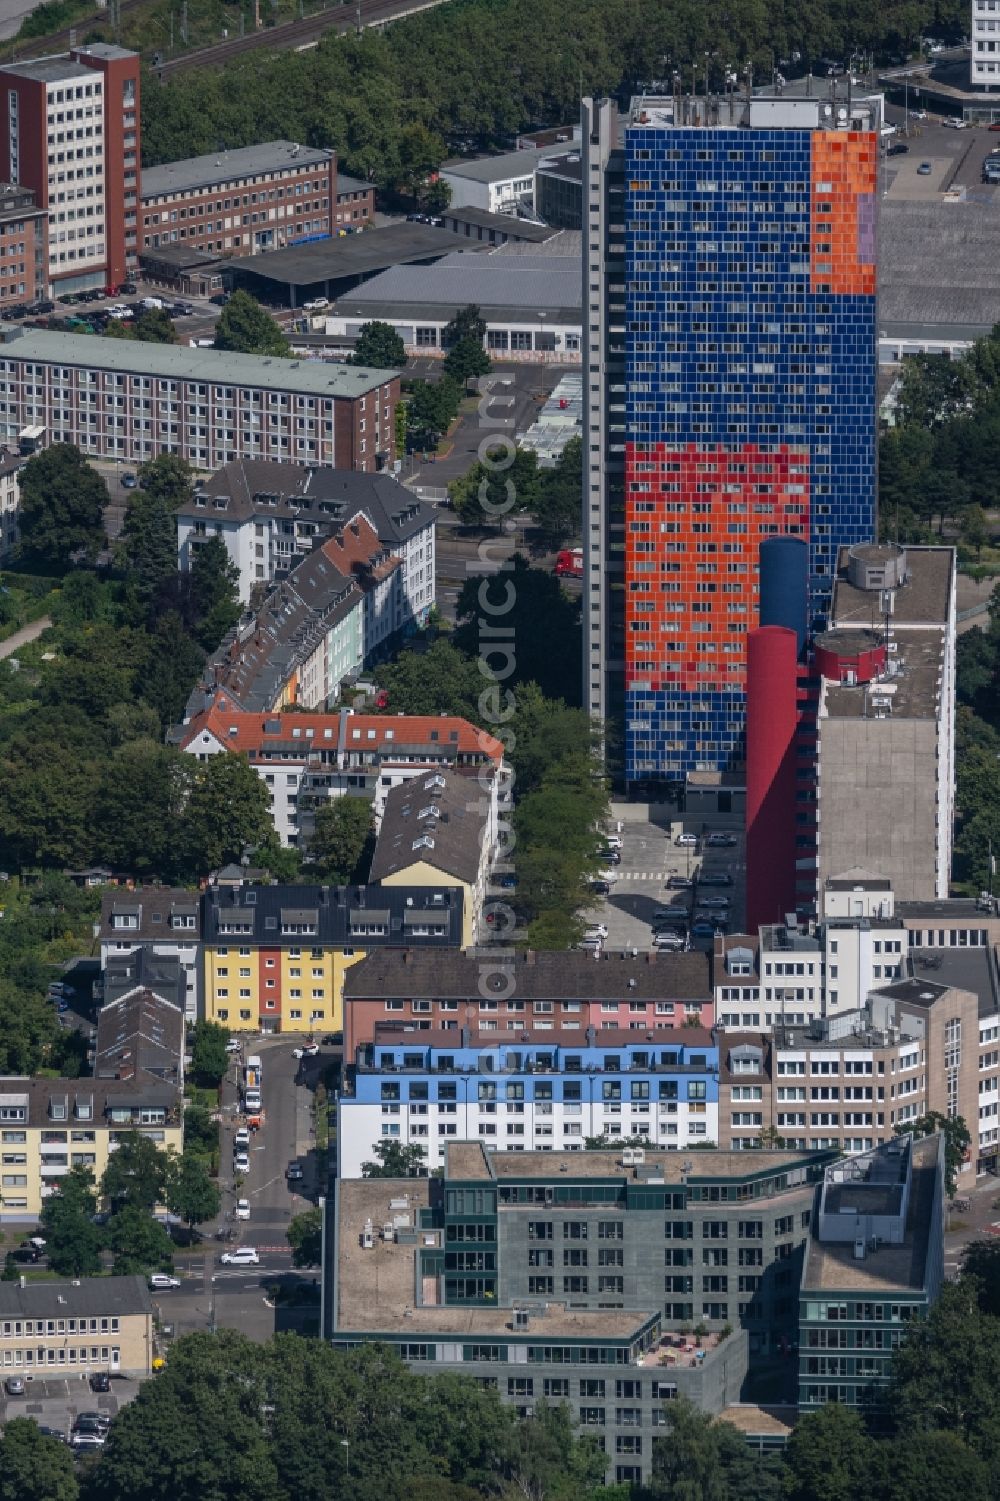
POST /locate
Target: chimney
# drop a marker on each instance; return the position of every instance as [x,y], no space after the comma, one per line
[529,957]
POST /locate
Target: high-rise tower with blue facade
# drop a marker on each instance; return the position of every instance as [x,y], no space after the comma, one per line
[730,283]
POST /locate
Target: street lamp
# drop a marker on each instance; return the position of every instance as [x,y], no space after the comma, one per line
[346,1446]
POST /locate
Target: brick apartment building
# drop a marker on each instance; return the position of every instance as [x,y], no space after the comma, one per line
[24,246]
[549,991]
[116,399]
[242,202]
[72,138]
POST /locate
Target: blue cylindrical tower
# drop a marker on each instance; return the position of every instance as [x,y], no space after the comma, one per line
[784,584]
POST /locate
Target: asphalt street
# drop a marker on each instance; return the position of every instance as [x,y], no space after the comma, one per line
[212,1295]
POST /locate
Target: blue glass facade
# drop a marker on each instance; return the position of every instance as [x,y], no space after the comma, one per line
[750,366]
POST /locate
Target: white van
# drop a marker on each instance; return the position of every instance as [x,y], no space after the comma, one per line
[153,302]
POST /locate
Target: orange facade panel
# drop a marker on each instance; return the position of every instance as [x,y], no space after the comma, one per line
[842,248]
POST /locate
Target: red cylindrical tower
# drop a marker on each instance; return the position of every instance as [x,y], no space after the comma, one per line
[772,715]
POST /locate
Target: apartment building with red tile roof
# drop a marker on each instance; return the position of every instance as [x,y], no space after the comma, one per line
[302,756]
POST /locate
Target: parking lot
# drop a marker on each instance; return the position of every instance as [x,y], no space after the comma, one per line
[955,157]
[54,1402]
[650,856]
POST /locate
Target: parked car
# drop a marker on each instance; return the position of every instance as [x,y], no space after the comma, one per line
[703,929]
[293,1172]
[670,914]
[129,482]
[100,1421]
[14,1386]
[219,299]
[601,888]
[596,930]
[613,857]
[55,1433]
[241,1256]
[952,122]
[924,170]
[241,1141]
[687,841]
[316,304]
[715,878]
[242,1209]
[675,942]
[127,289]
[897,148]
[82,1438]
[100,1381]
[721,840]
[234,1045]
[182,310]
[613,841]
[241,1163]
[159,1281]
[679,883]
[714,901]
[252,1101]
[307,1050]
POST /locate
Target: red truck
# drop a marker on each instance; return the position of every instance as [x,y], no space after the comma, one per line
[569,563]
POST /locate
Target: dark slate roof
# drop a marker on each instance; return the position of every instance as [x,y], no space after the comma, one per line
[342,913]
[102,1297]
[161,973]
[436,818]
[140,1035]
[330,497]
[350,256]
[154,907]
[537,975]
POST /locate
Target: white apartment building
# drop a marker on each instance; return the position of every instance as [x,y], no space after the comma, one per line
[985,50]
[162,920]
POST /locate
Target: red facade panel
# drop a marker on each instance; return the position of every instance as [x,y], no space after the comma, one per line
[695,519]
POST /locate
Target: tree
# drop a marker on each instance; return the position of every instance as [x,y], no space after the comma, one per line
[215,598]
[379,347]
[228,811]
[72,1241]
[441,680]
[393,1160]
[828,1456]
[148,545]
[975,528]
[981,1262]
[946,1374]
[499,488]
[468,323]
[466,360]
[247,328]
[956,1141]
[305,1236]
[138,1242]
[153,326]
[136,1174]
[341,838]
[34,1467]
[191,1194]
[934,1466]
[139,805]
[172,668]
[209,1059]
[543,625]
[169,477]
[686,1463]
[558,506]
[431,408]
[436,196]
[61,508]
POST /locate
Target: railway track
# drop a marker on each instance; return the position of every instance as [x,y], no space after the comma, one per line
[295,35]
[59,41]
